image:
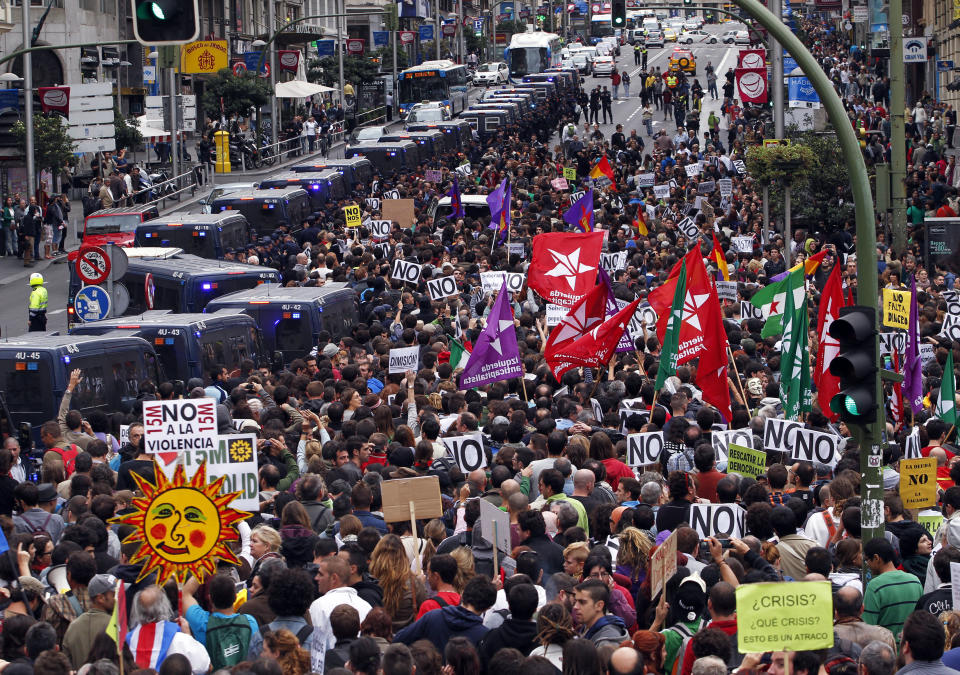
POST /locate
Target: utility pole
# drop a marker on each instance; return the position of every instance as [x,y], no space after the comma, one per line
[28,100]
[341,21]
[898,140]
[460,38]
[172,85]
[436,28]
[274,122]
[776,56]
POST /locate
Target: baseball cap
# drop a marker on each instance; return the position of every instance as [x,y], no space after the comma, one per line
[100,584]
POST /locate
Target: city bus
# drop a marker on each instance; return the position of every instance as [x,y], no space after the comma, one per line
[530,53]
[443,82]
[600,27]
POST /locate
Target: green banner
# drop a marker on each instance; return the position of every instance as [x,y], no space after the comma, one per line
[746,461]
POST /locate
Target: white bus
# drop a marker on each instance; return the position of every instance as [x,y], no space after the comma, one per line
[530,53]
[443,82]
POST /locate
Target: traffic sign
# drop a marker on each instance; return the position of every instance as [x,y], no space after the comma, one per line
[118,261]
[93,265]
[944,66]
[149,289]
[120,299]
[92,303]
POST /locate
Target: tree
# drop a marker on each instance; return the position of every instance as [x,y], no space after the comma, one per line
[326,71]
[52,145]
[127,133]
[235,95]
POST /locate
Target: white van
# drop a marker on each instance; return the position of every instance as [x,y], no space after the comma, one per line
[649,24]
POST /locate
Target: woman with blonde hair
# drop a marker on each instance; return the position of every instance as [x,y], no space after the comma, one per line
[574,556]
[466,569]
[284,647]
[264,545]
[403,593]
[434,532]
[633,556]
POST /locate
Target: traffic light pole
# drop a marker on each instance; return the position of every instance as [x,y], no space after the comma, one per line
[28,105]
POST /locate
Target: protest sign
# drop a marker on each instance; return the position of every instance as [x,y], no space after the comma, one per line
[391,194]
[645,180]
[780,435]
[352,215]
[918,482]
[560,184]
[955,584]
[498,536]
[692,169]
[688,228]
[373,203]
[663,564]
[380,229]
[442,287]
[706,187]
[555,313]
[911,448]
[727,290]
[235,458]
[597,409]
[467,451]
[893,342]
[723,521]
[896,308]
[726,187]
[749,311]
[517,248]
[661,191]
[570,173]
[927,353]
[171,427]
[401,211]
[743,244]
[493,281]
[403,359]
[612,262]
[931,521]
[124,434]
[406,272]
[433,175]
[769,614]
[721,440]
[644,449]
[740,166]
[818,447]
[746,461]
[397,495]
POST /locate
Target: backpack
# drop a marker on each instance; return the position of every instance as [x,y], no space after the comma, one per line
[302,635]
[40,529]
[228,639]
[687,635]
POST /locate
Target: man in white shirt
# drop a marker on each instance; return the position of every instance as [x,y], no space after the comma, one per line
[333,576]
[17,469]
[310,130]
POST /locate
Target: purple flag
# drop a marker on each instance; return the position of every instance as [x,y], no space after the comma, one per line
[495,355]
[456,200]
[626,340]
[580,213]
[912,365]
[499,203]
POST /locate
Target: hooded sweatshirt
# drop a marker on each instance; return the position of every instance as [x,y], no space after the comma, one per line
[609,629]
[439,626]
[516,633]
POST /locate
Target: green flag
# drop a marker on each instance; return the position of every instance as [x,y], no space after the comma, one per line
[772,301]
[671,338]
[458,353]
[795,355]
[946,402]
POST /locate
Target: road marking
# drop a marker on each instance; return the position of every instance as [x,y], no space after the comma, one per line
[56,311]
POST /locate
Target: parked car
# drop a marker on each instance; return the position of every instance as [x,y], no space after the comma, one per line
[729,37]
[693,23]
[654,39]
[494,72]
[603,66]
[742,38]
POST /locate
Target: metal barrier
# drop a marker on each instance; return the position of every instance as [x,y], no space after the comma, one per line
[372,116]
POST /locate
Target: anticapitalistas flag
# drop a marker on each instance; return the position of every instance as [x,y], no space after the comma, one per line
[495,356]
[563,265]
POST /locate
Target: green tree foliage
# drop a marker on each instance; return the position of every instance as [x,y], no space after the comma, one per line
[326,71]
[237,94]
[127,133]
[52,145]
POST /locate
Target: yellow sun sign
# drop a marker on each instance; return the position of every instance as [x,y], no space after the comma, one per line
[183,526]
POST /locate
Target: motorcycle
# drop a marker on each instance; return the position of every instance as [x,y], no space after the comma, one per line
[162,188]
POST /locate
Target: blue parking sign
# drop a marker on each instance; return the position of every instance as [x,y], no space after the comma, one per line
[92,303]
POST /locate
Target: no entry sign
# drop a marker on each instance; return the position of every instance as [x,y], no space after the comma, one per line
[93,265]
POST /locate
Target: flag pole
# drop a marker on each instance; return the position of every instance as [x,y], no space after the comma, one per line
[523,383]
[736,372]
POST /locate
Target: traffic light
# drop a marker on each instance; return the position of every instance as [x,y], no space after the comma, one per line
[855,364]
[618,11]
[166,22]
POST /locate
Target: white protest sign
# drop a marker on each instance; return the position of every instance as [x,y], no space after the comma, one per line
[644,319]
[721,440]
[179,425]
[124,434]
[726,187]
[613,262]
[406,272]
[661,191]
[727,290]
[692,169]
[467,451]
[643,449]
[391,194]
[403,359]
[816,446]
[380,229]
[645,180]
[911,448]
[574,196]
[517,248]
[442,287]
[493,281]
[555,313]
[597,409]
[780,435]
[927,353]
[499,536]
[235,458]
[740,166]
[750,311]
[463,169]
[384,250]
[951,327]
[706,187]
[743,244]
[955,584]
[373,203]
[893,342]
[723,521]
[688,228]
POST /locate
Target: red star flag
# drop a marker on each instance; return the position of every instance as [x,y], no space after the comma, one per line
[595,348]
[563,265]
[828,384]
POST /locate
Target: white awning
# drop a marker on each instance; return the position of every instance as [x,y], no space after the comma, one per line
[300,89]
[151,130]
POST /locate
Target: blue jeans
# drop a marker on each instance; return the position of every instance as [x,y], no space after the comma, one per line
[648,123]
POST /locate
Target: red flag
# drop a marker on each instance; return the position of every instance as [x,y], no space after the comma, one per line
[603,168]
[563,265]
[752,58]
[831,300]
[701,333]
[752,84]
[596,347]
[589,311]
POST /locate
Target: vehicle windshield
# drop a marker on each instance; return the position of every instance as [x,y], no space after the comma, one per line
[431,88]
[528,60]
[122,222]
[369,133]
[488,67]
[425,115]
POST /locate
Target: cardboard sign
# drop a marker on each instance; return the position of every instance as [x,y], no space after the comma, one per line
[352,215]
[661,191]
[692,169]
[560,184]
[727,290]
[896,308]
[918,482]
[645,180]
[555,313]
[780,435]
[406,272]
[499,536]
[467,450]
[746,461]
[172,427]
[718,520]
[613,262]
[401,211]
[663,564]
[931,520]
[570,173]
[442,287]
[424,492]
[380,229]
[767,616]
[403,359]
[815,446]
[743,244]
[688,228]
[726,187]
[749,311]
[644,449]
[493,281]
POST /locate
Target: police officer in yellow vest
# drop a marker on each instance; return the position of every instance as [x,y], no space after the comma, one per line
[38,303]
[672,81]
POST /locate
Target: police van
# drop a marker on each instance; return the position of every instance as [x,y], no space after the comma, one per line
[387,158]
[266,210]
[189,345]
[431,142]
[322,186]
[354,170]
[35,370]
[158,278]
[457,129]
[512,109]
[207,235]
[486,122]
[292,318]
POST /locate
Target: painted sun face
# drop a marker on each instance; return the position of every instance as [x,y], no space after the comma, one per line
[182,525]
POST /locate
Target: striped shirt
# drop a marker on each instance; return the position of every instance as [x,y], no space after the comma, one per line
[889,599]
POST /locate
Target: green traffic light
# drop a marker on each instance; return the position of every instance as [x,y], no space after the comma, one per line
[851,405]
[157,11]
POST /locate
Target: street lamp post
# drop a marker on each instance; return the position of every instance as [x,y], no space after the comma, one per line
[28,100]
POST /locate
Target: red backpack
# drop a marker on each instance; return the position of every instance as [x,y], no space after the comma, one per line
[69,455]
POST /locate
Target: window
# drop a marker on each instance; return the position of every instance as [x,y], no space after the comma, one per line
[491,123]
[91,392]
[23,388]
[293,335]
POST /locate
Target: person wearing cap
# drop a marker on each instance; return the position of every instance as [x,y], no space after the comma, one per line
[64,608]
[36,505]
[684,616]
[83,630]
